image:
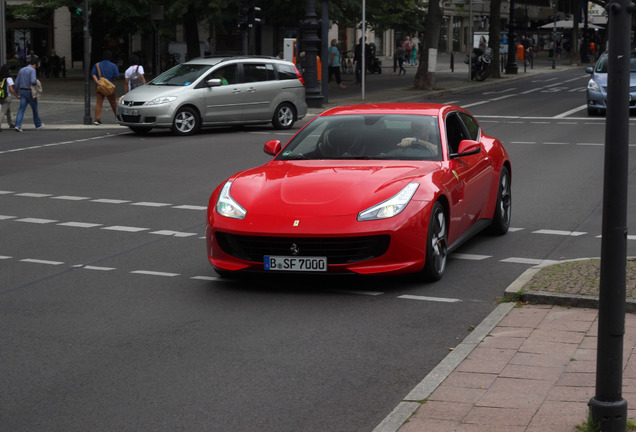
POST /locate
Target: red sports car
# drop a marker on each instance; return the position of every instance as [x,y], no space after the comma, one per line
[364,189]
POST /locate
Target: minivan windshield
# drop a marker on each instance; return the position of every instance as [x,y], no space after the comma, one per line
[180,75]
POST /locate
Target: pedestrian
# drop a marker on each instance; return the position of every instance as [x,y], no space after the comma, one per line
[400,53]
[23,82]
[134,75]
[7,92]
[407,50]
[107,69]
[415,44]
[334,63]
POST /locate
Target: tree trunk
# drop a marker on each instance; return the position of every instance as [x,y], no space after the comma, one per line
[494,37]
[425,80]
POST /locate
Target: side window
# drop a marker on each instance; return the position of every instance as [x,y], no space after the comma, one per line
[257,72]
[286,72]
[227,74]
[471,125]
[455,132]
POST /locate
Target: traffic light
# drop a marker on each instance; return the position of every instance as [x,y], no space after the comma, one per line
[76,8]
[244,10]
[253,15]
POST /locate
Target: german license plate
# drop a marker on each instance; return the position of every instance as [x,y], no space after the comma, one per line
[299,264]
[130,112]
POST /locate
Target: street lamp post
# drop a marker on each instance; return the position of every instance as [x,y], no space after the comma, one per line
[87,68]
[554,42]
[511,65]
[311,45]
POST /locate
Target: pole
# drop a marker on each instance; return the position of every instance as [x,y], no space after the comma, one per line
[363,44]
[511,66]
[87,68]
[3,32]
[554,43]
[608,407]
[324,35]
[470,40]
[311,46]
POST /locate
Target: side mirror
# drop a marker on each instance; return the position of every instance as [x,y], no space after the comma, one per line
[466,148]
[272,147]
[589,70]
[214,82]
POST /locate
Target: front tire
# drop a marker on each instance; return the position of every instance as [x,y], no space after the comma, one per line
[436,244]
[186,122]
[284,116]
[503,208]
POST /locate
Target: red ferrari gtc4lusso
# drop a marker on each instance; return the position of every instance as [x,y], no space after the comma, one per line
[363,189]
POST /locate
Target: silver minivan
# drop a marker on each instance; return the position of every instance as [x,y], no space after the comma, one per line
[213,91]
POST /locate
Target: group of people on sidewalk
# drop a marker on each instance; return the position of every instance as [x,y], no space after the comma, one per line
[27,88]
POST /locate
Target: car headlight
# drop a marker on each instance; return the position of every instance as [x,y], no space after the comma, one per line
[226,206]
[161,100]
[391,207]
[593,86]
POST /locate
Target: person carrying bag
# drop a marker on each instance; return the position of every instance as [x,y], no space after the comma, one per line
[103,74]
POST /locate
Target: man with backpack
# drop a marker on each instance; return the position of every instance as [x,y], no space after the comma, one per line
[7,92]
[134,75]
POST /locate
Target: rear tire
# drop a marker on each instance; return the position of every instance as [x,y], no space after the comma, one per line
[284,116]
[503,208]
[436,244]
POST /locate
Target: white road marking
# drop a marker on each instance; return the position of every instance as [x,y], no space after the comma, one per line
[150,204]
[530,261]
[4,257]
[98,268]
[80,224]
[36,220]
[190,207]
[471,257]
[125,228]
[365,293]
[154,273]
[110,201]
[572,111]
[205,278]
[33,195]
[4,217]
[431,299]
[70,198]
[6,192]
[560,233]
[174,233]
[515,229]
[39,261]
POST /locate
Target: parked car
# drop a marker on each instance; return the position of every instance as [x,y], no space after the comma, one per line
[597,86]
[363,189]
[211,91]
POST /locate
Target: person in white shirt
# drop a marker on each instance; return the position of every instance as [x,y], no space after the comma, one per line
[130,76]
[5,104]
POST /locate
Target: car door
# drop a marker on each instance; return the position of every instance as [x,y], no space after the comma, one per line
[224,103]
[261,88]
[473,172]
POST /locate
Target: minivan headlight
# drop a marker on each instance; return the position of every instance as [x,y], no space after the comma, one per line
[162,100]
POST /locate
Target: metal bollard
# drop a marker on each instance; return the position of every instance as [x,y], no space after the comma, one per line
[452,60]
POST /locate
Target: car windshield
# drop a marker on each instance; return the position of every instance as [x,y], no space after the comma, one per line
[601,66]
[180,75]
[367,136]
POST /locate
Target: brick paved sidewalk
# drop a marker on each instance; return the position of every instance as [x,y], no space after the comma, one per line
[534,372]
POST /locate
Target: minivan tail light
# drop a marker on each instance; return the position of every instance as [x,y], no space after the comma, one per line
[300,76]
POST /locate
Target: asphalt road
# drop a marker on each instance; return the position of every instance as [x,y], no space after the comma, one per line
[112,318]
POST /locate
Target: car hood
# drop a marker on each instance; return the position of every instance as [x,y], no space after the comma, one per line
[149,92]
[315,188]
[601,79]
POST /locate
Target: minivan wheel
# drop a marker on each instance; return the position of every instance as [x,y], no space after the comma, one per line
[186,122]
[284,116]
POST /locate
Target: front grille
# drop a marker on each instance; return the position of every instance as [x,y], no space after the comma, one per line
[338,250]
[133,104]
[131,119]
